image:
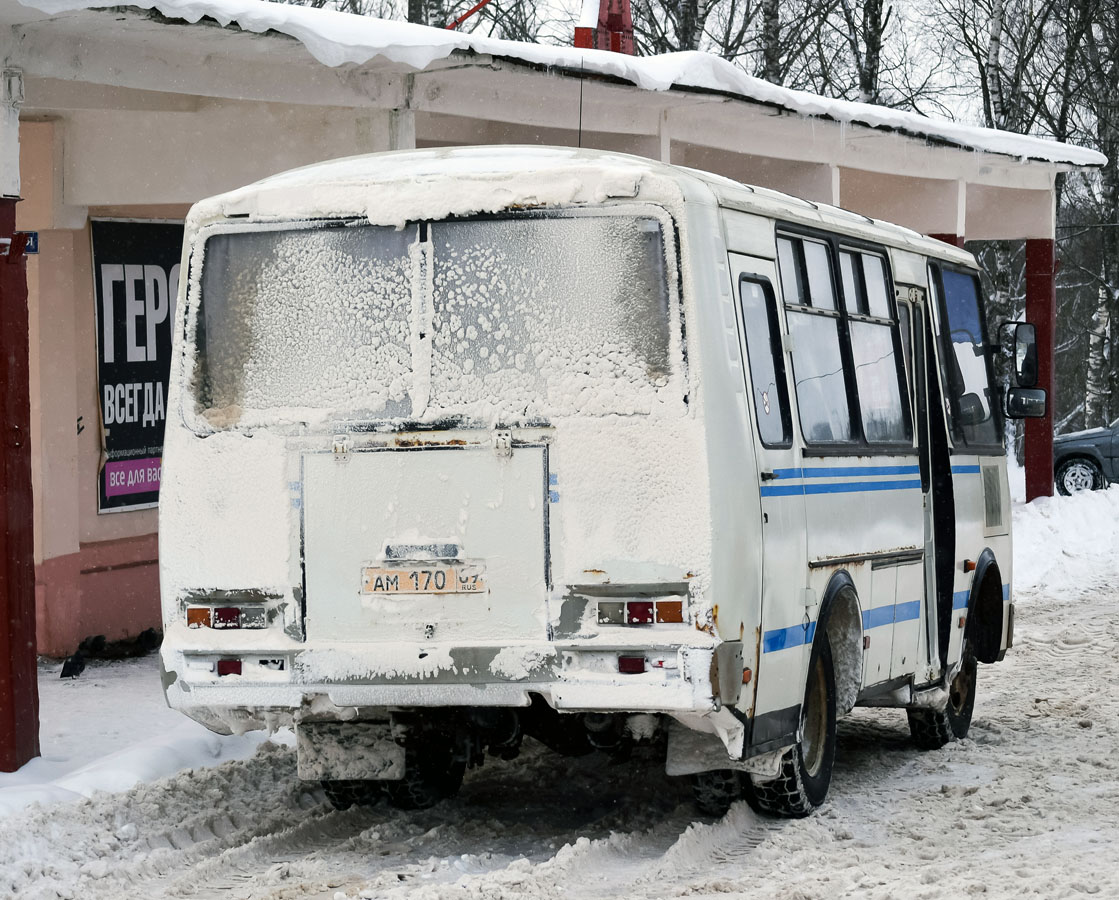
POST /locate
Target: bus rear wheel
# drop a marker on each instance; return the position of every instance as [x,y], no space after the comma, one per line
[716,790]
[347,793]
[431,774]
[805,774]
[933,728]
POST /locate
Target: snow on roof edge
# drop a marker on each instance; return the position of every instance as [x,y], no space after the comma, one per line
[335,38]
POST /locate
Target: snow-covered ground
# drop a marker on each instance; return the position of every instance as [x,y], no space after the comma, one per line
[1027,806]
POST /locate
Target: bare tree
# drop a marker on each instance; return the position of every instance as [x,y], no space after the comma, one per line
[666,26]
[865,30]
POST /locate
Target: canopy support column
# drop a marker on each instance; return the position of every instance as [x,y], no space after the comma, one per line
[19,686]
[1041,309]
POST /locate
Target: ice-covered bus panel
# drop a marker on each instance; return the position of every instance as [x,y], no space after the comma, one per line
[648,676]
[511,319]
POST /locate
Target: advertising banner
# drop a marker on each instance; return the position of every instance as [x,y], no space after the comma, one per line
[136,280]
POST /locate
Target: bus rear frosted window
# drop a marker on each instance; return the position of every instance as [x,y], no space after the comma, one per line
[513,319]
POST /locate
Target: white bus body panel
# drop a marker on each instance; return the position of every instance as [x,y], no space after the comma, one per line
[582,509]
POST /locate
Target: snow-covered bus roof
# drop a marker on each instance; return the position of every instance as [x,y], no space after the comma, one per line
[336,38]
[492,178]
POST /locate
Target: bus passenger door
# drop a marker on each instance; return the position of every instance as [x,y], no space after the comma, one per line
[785,635]
[929,581]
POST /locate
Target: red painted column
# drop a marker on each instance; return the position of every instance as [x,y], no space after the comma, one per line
[19,687]
[955,240]
[1041,309]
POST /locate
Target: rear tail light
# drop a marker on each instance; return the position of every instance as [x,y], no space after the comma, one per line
[229,667]
[199,616]
[640,612]
[253,617]
[225,617]
[670,611]
[611,612]
[627,665]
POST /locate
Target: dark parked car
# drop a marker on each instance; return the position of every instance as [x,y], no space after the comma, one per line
[1086,460]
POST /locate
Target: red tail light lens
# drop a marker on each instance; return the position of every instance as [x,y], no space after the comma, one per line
[229,667]
[627,665]
[639,612]
[227,617]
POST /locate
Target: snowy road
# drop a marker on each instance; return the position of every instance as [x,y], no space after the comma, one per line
[1029,806]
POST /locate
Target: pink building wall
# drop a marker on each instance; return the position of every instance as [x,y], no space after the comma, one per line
[94,573]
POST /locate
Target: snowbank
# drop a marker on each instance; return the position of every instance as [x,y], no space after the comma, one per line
[336,38]
[1059,543]
[110,730]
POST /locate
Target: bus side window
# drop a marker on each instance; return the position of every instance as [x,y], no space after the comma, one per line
[767,368]
[810,307]
[874,344]
[972,410]
[906,329]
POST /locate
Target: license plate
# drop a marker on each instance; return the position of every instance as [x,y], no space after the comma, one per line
[466,579]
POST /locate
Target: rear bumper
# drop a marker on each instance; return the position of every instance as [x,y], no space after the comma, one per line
[331,681]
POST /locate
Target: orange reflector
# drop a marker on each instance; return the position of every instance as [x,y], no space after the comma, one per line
[198,616]
[670,611]
[969,565]
[746,676]
[962,622]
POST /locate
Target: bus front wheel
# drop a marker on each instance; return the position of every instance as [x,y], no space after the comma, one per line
[805,774]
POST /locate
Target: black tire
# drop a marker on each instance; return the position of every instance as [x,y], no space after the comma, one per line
[431,774]
[1079,474]
[344,794]
[716,790]
[806,768]
[933,728]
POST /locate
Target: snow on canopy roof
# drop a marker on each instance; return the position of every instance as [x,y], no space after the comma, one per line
[335,38]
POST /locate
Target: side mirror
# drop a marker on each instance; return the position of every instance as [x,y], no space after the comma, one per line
[972,411]
[1025,403]
[1025,355]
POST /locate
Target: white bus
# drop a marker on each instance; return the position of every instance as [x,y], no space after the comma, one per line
[466,445]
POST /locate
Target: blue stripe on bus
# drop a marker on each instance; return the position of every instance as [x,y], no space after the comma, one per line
[965,470]
[799,635]
[889,615]
[841,471]
[906,612]
[873,618]
[786,638]
[837,487]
